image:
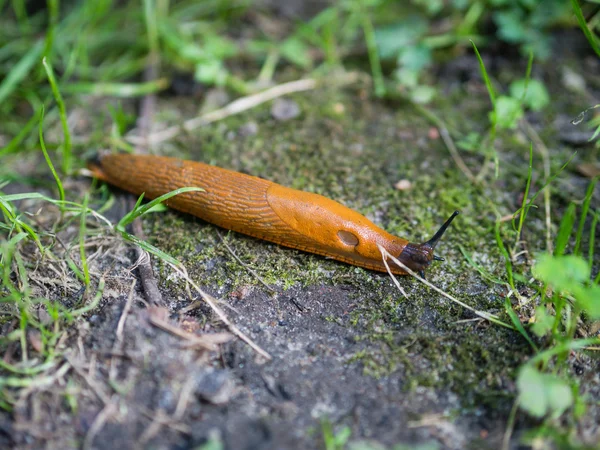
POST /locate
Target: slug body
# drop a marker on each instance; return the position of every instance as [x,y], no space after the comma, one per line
[265,210]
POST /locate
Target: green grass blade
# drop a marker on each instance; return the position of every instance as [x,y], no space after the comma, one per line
[66,147]
[20,71]
[584,26]
[584,212]
[68,206]
[527,77]
[592,239]
[82,232]
[20,10]
[575,344]
[26,370]
[25,196]
[94,303]
[564,231]
[131,215]
[548,181]
[149,248]
[139,211]
[16,239]
[504,252]
[523,211]
[517,323]
[17,223]
[61,190]
[369,33]
[150,18]
[53,9]
[23,320]
[494,122]
[486,78]
[75,269]
[595,135]
[13,145]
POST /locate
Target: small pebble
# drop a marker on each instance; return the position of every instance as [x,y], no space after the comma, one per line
[166,399]
[284,109]
[248,129]
[573,81]
[215,98]
[215,386]
[433,133]
[94,319]
[43,316]
[339,108]
[183,84]
[403,185]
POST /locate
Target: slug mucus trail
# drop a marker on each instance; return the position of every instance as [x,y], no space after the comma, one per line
[266,210]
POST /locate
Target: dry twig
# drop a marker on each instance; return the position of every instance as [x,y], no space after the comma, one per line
[144,265]
[212,302]
[118,345]
[99,421]
[207,344]
[98,390]
[126,309]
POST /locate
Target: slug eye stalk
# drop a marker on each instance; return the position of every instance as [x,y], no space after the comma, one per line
[437,236]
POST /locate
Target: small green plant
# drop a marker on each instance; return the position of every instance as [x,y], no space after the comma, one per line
[566,296]
[507,112]
[519,23]
[334,440]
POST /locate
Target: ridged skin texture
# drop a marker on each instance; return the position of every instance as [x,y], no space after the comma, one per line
[255,207]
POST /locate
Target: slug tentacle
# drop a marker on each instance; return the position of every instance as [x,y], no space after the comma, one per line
[418,256]
[437,236]
[266,210]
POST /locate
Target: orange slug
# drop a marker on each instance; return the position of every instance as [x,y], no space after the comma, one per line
[266,210]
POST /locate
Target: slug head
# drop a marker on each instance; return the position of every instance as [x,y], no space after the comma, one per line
[417,257]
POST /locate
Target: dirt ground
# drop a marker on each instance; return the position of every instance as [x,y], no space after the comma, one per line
[347,349]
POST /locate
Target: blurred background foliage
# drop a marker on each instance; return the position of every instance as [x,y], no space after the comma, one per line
[103,47]
[108,41]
